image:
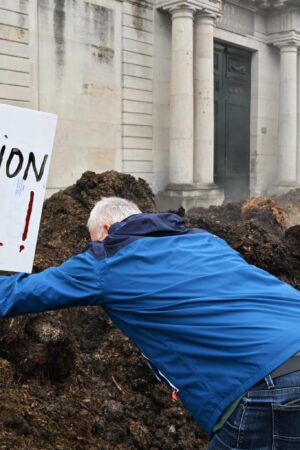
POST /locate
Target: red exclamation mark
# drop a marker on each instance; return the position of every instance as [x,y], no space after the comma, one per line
[27,220]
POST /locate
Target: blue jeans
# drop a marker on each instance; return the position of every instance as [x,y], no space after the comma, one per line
[268,418]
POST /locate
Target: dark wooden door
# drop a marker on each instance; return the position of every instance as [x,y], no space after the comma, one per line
[232,120]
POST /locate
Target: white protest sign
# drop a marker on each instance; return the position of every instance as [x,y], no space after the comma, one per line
[26,141]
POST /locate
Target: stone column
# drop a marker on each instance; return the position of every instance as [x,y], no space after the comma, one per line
[287,138]
[204,99]
[181,97]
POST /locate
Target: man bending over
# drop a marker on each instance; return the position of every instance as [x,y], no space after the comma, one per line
[222,333]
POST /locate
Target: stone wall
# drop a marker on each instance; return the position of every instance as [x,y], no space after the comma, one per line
[90,62]
[15,64]
[80,80]
[137,60]
[64,56]
[104,66]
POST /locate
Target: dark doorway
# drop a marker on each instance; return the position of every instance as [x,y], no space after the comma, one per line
[232,120]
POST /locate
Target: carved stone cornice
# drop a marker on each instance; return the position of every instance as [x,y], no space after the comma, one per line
[265,6]
[274,4]
[207,6]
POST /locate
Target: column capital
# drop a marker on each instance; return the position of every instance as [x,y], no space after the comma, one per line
[210,6]
[207,15]
[286,41]
[182,11]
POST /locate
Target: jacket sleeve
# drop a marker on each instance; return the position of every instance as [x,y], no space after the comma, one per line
[77,282]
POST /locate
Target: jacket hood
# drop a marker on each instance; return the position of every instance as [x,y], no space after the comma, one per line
[161,224]
[136,227]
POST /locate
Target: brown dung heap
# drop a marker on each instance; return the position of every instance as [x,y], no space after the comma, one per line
[69,379]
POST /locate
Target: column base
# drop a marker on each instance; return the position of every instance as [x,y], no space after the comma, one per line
[281,187]
[189,196]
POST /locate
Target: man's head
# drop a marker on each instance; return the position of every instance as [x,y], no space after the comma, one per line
[106,212]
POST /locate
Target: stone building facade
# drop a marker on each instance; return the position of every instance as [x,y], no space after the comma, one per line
[199,97]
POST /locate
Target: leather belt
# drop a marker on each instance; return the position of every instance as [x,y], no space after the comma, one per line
[290,366]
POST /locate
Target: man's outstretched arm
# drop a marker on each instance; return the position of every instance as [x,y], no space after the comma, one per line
[77,282]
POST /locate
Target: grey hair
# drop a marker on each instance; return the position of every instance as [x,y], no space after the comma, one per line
[110,210]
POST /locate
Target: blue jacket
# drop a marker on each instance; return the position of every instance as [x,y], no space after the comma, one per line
[207,321]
